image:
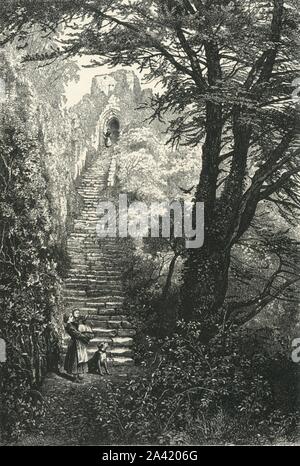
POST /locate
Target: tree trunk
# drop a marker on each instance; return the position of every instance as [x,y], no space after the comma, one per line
[205,285]
[165,319]
[167,285]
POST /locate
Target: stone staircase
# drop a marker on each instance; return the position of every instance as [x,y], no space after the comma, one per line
[94,282]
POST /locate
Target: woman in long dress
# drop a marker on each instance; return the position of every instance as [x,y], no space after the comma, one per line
[82,347]
[76,357]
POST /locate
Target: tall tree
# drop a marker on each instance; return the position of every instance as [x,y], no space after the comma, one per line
[226,69]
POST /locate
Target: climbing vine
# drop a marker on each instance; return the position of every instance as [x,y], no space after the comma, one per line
[29,293]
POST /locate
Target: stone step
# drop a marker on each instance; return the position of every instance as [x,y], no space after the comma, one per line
[113,341]
[110,321]
[92,285]
[74,292]
[95,194]
[97,177]
[77,235]
[94,279]
[108,318]
[86,218]
[109,278]
[90,197]
[93,249]
[104,331]
[113,332]
[99,260]
[115,344]
[89,218]
[102,310]
[90,209]
[94,269]
[121,352]
[109,270]
[101,279]
[119,361]
[86,240]
[104,300]
[110,301]
[97,266]
[82,256]
[91,184]
[112,352]
[102,263]
[88,226]
[96,310]
[91,222]
[95,293]
[94,282]
[117,357]
[92,230]
[98,294]
[75,299]
[95,302]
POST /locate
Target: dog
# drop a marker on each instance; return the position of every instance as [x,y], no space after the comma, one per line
[102,358]
[99,360]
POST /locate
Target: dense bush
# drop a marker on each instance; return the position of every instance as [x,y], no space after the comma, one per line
[239,388]
[190,393]
[151,305]
[29,294]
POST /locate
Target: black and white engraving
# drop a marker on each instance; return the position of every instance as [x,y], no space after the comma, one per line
[149,222]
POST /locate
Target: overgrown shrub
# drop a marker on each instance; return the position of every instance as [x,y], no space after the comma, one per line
[145,269]
[191,393]
[29,294]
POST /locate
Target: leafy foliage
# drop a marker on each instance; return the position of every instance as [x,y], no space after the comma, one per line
[29,280]
[197,394]
[225,71]
[151,171]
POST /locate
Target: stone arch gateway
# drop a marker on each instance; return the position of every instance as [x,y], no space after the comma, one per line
[113,126]
[110,120]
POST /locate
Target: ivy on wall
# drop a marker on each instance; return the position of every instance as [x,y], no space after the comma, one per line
[29,271]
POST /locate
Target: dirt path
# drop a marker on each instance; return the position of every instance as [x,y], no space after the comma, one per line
[71,416]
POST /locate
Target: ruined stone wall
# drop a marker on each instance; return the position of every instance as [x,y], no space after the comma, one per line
[118,94]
